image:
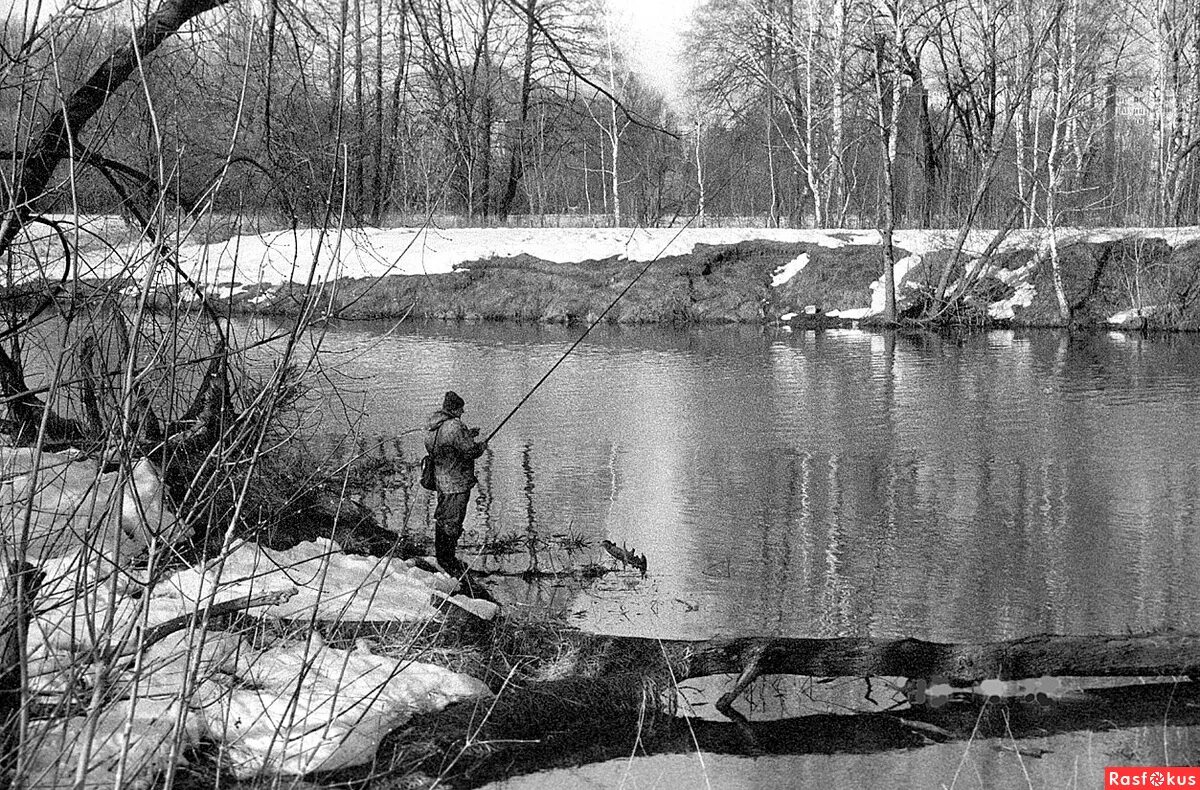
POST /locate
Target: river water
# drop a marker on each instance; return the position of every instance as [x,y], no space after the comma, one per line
[822,484]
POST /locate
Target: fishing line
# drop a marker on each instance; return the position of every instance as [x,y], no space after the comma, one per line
[592,326]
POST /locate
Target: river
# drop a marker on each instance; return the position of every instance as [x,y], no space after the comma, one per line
[814,483]
[836,483]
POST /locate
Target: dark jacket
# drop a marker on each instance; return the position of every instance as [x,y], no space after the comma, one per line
[454,451]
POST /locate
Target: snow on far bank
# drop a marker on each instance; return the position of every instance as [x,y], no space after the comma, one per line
[293,256]
[1132,315]
[279,257]
[789,270]
[259,264]
[1007,308]
[878,296]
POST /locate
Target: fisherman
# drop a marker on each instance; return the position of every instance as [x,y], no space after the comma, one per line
[454,449]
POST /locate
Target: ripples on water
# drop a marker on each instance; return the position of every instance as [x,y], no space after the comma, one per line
[823,483]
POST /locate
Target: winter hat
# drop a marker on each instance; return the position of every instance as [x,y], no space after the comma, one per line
[452,403]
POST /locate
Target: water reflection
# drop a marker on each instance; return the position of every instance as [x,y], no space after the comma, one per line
[821,484]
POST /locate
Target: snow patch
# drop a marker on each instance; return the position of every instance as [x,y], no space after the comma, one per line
[878,294]
[267,295]
[789,270]
[1015,276]
[1006,308]
[1135,314]
[132,740]
[853,314]
[333,587]
[292,708]
[309,707]
[77,506]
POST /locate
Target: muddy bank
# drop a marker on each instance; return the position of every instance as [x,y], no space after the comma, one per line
[1129,278]
[718,284]
[1139,283]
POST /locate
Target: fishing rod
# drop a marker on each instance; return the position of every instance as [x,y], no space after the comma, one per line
[591,326]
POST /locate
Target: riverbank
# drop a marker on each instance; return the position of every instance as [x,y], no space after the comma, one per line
[1135,278]
[925,572]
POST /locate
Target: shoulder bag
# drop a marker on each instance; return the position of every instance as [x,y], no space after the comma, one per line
[428,477]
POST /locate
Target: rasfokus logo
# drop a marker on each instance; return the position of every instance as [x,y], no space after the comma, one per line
[1151,776]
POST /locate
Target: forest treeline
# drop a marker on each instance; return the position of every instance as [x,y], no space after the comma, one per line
[820,113]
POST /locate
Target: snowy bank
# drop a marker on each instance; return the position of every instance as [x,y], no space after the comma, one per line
[703,275]
[146,674]
[335,716]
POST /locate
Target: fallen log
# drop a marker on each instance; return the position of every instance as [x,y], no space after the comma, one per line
[960,664]
[628,700]
[470,744]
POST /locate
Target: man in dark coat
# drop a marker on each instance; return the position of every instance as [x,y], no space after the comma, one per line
[454,450]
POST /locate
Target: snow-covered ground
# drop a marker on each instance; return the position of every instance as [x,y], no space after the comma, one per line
[293,256]
[268,260]
[293,706]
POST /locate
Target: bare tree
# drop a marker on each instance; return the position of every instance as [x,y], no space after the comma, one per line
[890,92]
[516,163]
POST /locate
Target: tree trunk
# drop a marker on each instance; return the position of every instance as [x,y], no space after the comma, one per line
[1110,172]
[929,164]
[272,24]
[812,161]
[1063,80]
[377,200]
[397,104]
[889,116]
[769,109]
[484,203]
[614,134]
[516,162]
[958,663]
[1026,181]
[359,190]
[590,725]
[837,171]
[56,140]
[928,152]
[55,143]
[17,591]
[1168,101]
[700,221]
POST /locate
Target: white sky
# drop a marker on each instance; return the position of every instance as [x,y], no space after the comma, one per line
[653,44]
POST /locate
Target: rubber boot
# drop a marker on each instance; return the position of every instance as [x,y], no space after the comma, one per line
[444,548]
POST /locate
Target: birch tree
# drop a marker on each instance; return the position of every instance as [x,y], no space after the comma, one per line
[1177,99]
[889,91]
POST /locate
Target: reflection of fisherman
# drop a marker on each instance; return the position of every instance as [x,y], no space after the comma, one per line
[454,450]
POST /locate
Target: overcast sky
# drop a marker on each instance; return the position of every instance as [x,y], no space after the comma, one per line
[654,27]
